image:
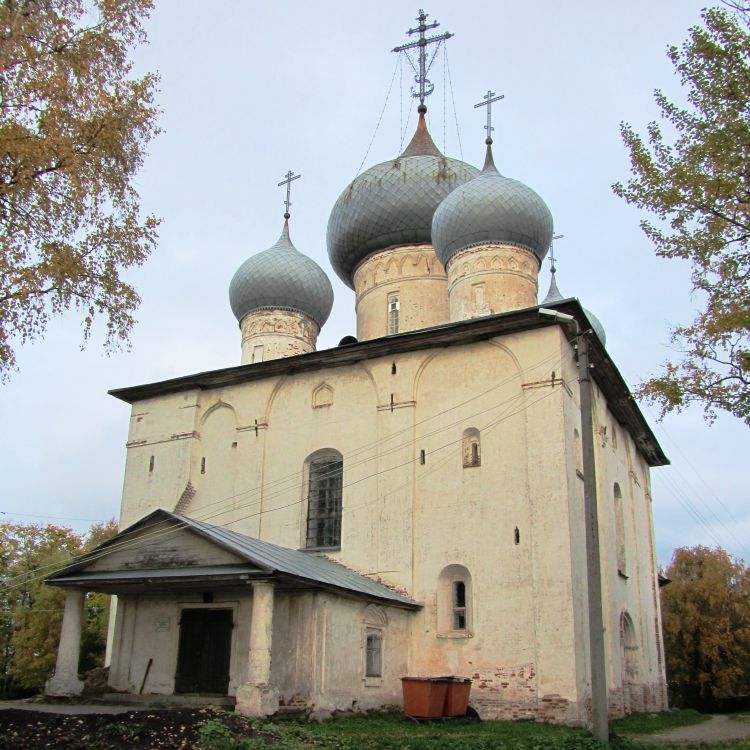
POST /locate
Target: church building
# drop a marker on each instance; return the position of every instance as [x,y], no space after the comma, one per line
[307,528]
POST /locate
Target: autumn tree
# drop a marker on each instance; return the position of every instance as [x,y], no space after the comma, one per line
[706,620]
[694,179]
[74,125]
[31,612]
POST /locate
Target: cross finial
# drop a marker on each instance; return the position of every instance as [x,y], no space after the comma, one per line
[553,268]
[424,87]
[488,103]
[288,182]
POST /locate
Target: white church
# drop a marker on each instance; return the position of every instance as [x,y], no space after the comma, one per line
[307,528]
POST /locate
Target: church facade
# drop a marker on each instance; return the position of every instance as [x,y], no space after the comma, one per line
[309,527]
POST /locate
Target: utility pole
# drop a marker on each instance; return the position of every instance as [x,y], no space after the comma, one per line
[597,655]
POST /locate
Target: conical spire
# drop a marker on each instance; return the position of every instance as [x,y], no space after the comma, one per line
[553,295]
[421,144]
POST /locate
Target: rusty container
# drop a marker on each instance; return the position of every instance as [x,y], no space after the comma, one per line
[424,697]
[457,696]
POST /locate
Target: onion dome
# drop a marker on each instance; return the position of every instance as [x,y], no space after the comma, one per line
[281,278]
[554,295]
[392,203]
[491,208]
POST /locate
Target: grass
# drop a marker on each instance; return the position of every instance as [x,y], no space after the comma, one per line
[661,722]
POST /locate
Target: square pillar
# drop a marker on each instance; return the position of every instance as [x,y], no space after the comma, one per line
[257,697]
[65,682]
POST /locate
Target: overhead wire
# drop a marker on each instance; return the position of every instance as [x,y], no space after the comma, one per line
[296,476]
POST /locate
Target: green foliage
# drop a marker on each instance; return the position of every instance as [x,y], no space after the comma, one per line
[706,623]
[661,722]
[215,735]
[31,612]
[697,187]
[74,125]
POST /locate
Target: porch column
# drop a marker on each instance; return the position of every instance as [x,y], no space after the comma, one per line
[257,697]
[65,682]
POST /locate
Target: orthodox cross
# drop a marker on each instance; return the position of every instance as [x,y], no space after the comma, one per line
[288,182]
[488,103]
[552,252]
[425,86]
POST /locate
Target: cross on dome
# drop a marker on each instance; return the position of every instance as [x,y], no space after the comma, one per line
[288,182]
[425,87]
[488,99]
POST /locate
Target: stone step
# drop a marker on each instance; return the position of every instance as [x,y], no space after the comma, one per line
[167,701]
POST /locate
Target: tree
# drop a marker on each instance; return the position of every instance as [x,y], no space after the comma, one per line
[74,126]
[698,189]
[706,620]
[31,613]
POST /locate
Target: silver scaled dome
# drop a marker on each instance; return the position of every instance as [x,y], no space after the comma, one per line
[281,278]
[392,203]
[491,208]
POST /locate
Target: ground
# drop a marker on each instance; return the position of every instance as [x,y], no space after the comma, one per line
[38,726]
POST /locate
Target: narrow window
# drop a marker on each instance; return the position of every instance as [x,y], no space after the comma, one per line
[151,464]
[203,465]
[393,369]
[478,294]
[373,650]
[422,457]
[620,531]
[325,486]
[517,536]
[393,310]
[471,448]
[258,353]
[459,605]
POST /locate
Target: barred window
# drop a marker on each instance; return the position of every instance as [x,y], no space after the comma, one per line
[373,654]
[459,605]
[324,502]
[393,309]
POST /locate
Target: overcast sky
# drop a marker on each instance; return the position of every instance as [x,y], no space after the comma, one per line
[249,90]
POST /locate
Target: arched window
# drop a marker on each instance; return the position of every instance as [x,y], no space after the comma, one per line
[630,677]
[471,448]
[393,313]
[374,623]
[620,531]
[325,473]
[455,616]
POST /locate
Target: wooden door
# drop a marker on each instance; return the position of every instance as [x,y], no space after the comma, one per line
[204,651]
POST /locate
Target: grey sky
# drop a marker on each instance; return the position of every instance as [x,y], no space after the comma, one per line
[250,90]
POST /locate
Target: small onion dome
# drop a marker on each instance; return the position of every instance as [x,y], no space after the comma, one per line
[281,278]
[392,203]
[491,208]
[554,295]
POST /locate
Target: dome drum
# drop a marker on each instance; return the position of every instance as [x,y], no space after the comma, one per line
[491,278]
[272,333]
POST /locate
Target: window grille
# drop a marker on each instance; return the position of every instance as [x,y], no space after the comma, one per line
[373,651]
[459,605]
[324,502]
[393,310]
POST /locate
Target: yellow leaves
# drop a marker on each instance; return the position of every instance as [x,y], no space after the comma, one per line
[73,131]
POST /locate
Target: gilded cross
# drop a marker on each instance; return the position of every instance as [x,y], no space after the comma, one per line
[425,87]
[288,182]
[488,99]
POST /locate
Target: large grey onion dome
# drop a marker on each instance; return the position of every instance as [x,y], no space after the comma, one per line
[491,208]
[392,203]
[554,295]
[281,277]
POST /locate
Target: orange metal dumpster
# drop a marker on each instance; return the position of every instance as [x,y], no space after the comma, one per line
[424,697]
[457,697]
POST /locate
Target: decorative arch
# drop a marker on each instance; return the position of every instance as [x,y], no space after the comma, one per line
[629,650]
[322,396]
[219,404]
[455,611]
[375,616]
[324,483]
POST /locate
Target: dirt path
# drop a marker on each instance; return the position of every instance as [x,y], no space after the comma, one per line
[716,729]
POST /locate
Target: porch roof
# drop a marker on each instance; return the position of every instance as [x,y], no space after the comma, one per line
[257,559]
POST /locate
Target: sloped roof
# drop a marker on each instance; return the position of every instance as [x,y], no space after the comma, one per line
[268,558]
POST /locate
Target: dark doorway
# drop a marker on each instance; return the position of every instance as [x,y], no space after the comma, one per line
[203,656]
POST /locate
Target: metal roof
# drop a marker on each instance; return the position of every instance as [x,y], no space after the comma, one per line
[269,558]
